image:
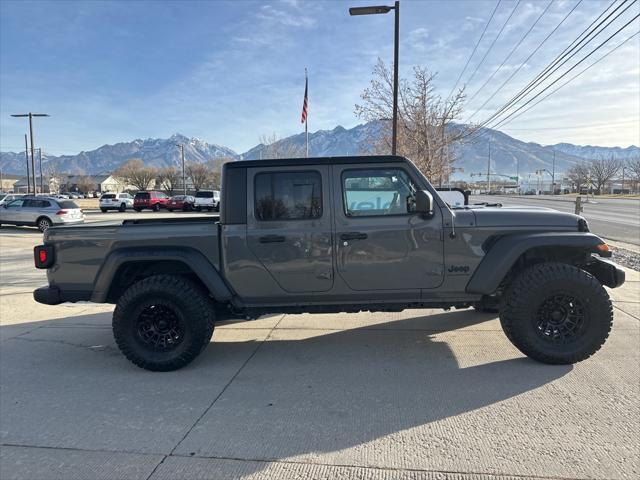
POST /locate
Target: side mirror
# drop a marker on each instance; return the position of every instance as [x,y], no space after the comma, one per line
[424,203]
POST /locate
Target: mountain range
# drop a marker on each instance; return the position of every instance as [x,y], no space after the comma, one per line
[508,155]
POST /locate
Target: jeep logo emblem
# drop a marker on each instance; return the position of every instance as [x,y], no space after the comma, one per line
[458,269]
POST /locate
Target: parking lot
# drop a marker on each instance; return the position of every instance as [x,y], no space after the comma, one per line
[418,394]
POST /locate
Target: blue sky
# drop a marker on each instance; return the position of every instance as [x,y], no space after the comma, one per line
[231,71]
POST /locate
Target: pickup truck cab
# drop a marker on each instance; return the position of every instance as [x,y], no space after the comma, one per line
[342,234]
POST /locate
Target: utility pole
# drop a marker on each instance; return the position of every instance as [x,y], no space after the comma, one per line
[518,173]
[40,160]
[489,168]
[26,154]
[33,162]
[553,174]
[184,182]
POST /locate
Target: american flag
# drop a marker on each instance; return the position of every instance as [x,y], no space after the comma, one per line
[305,104]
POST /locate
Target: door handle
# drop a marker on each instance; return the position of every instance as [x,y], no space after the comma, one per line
[353,236]
[272,239]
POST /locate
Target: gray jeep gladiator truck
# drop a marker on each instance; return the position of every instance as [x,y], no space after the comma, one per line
[342,234]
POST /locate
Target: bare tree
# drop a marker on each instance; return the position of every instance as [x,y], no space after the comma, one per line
[169,178]
[137,174]
[56,178]
[199,174]
[633,167]
[603,170]
[273,146]
[578,174]
[425,131]
[215,170]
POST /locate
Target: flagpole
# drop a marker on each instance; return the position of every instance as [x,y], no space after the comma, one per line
[306,120]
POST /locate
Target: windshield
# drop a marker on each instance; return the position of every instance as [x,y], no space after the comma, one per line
[2,195]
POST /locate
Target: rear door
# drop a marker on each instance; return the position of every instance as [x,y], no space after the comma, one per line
[289,226]
[381,243]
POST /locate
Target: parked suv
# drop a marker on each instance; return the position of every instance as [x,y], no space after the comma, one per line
[209,199]
[152,200]
[41,212]
[115,201]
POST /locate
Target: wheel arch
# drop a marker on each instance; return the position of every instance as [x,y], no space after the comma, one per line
[512,252]
[123,267]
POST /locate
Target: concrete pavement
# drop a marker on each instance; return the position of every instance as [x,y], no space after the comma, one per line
[422,394]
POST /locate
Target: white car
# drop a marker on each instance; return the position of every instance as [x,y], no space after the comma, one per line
[207,199]
[41,212]
[115,201]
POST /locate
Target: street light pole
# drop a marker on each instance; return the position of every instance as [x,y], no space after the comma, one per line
[396,54]
[40,160]
[26,156]
[184,183]
[553,174]
[33,162]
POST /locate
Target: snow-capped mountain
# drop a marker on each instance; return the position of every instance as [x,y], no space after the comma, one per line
[157,152]
[508,154]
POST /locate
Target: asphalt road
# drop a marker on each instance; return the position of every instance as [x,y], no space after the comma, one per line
[611,218]
[421,394]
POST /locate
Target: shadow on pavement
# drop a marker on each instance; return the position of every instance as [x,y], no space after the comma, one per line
[303,393]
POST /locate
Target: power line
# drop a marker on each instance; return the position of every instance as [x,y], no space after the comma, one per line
[555,66]
[474,49]
[579,127]
[525,61]
[504,121]
[512,51]
[493,43]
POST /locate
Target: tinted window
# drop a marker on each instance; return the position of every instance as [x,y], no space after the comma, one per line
[288,196]
[108,195]
[34,203]
[143,195]
[204,195]
[384,191]
[67,204]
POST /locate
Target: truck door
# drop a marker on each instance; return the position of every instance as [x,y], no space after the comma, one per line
[381,244]
[289,225]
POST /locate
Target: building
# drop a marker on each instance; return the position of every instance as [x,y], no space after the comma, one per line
[8,181]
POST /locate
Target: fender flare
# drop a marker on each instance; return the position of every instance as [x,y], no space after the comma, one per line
[507,250]
[195,260]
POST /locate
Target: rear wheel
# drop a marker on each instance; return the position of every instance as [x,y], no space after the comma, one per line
[556,313]
[170,209]
[163,322]
[138,210]
[122,208]
[199,209]
[156,207]
[43,224]
[103,210]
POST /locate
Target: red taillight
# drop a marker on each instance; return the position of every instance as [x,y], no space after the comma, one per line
[43,256]
[62,212]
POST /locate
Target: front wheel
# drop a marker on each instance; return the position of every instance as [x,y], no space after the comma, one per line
[103,210]
[123,207]
[556,313]
[163,322]
[156,207]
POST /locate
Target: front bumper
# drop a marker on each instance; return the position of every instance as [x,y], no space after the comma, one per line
[606,271]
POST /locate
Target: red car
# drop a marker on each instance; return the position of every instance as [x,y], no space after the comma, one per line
[181,202]
[152,200]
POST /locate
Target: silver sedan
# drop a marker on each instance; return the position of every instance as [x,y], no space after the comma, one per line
[41,212]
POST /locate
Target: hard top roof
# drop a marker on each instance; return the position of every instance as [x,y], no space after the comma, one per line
[289,162]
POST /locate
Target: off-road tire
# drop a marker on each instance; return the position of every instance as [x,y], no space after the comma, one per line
[532,331]
[43,224]
[186,298]
[123,207]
